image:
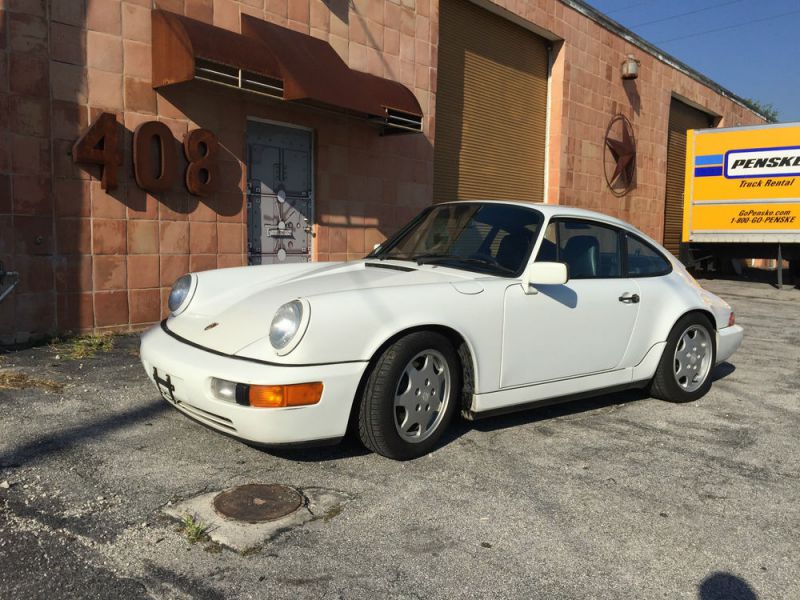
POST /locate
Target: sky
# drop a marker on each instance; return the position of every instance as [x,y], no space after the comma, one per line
[751,47]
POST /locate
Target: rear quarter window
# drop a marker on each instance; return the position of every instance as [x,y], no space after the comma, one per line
[643,260]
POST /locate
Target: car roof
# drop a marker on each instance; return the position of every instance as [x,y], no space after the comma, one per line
[556,210]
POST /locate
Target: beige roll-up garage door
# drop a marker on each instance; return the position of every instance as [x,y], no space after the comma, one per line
[682,117]
[491,107]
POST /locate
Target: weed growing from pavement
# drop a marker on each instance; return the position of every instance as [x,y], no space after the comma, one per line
[83,346]
[193,529]
[14,380]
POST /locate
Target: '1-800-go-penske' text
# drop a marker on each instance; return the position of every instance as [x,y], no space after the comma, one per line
[764,216]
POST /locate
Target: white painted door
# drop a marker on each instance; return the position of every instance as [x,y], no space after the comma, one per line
[578,328]
[566,330]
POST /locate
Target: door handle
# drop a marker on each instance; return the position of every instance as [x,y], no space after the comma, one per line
[629,299]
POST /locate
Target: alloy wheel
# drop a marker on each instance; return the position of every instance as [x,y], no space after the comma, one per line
[422,396]
[692,358]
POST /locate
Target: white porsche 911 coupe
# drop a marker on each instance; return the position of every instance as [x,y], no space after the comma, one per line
[473,307]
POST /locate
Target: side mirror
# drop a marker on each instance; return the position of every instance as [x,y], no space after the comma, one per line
[543,273]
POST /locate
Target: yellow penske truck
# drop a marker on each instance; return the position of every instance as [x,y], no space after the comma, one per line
[742,195]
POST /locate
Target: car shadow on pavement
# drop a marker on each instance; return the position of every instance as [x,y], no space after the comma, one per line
[349,447]
[572,407]
[553,411]
[721,371]
[66,439]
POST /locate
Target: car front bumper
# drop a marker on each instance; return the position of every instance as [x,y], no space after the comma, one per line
[190,370]
[728,341]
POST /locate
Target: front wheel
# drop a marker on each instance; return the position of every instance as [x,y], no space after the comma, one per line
[684,372]
[410,396]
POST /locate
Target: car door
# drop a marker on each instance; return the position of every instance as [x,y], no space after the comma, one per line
[578,328]
[650,269]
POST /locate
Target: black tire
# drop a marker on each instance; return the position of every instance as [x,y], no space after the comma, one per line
[377,414]
[665,383]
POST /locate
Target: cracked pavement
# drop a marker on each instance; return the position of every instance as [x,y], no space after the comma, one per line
[621,496]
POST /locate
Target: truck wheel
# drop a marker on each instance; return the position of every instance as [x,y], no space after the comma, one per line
[410,396]
[684,372]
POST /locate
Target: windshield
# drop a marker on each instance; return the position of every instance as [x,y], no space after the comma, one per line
[485,237]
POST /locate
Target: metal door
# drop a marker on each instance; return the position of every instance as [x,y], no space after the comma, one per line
[491,106]
[280,195]
[681,118]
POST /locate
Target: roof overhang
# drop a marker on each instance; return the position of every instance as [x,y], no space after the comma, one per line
[277,62]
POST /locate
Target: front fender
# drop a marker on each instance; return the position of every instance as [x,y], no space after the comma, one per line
[352,326]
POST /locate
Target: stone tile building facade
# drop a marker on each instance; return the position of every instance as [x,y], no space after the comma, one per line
[92,259]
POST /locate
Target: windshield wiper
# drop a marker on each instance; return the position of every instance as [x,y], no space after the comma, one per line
[423,259]
[489,263]
[385,256]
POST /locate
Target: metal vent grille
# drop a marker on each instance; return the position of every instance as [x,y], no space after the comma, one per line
[399,119]
[214,72]
[396,119]
[261,84]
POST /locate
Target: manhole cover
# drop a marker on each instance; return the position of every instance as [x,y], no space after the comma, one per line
[257,502]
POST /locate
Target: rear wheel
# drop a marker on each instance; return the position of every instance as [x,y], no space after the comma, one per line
[684,372]
[410,396]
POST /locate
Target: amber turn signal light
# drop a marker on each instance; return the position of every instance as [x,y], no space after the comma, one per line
[278,396]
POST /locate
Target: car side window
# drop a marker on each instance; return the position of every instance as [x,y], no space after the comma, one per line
[590,250]
[644,260]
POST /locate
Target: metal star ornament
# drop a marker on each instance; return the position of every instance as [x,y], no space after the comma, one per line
[620,159]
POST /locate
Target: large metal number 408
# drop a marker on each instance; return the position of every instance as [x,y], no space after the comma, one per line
[201,149]
[155,159]
[100,146]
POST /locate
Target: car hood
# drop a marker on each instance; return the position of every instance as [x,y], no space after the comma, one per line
[232,310]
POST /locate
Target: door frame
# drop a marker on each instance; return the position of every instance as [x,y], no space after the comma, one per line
[312,246]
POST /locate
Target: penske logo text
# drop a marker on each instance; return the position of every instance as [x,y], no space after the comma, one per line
[762,162]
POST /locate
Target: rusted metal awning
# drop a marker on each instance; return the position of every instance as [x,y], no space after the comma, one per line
[274,61]
[313,72]
[186,49]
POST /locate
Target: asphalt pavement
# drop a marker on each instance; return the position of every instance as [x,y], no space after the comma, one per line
[621,496]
